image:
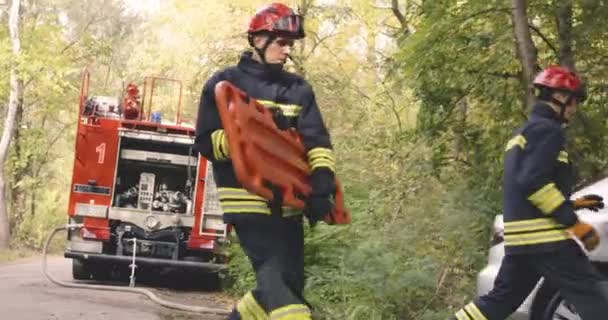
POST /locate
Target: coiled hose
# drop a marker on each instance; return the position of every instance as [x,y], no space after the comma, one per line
[145,292]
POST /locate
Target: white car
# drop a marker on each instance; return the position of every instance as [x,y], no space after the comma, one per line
[544,303]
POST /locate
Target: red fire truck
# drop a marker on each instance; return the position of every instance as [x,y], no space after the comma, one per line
[139,190]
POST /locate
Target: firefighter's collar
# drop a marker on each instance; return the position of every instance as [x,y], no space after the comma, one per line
[249,65]
[542,109]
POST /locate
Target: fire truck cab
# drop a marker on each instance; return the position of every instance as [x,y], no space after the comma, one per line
[140,191]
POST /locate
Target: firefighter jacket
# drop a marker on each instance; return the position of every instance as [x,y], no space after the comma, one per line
[538,180]
[292,101]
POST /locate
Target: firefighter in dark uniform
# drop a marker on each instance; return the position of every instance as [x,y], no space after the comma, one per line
[539,217]
[270,235]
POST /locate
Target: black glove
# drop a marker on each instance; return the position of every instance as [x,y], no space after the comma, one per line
[321,200]
[592,202]
[317,207]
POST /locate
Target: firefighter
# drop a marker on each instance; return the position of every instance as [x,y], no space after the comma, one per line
[270,235]
[130,103]
[540,219]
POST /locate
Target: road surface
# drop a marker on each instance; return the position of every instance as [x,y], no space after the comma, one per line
[26,294]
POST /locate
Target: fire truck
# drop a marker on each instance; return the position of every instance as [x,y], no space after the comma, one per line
[143,196]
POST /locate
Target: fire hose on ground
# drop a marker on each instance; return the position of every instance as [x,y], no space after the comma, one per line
[145,292]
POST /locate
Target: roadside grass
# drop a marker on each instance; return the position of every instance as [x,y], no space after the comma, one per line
[16,254]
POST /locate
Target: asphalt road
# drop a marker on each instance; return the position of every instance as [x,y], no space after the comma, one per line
[26,294]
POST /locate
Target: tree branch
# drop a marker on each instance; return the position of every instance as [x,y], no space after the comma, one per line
[84,30]
[544,38]
[397,12]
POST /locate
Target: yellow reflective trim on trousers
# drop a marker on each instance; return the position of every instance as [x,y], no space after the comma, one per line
[249,308]
[475,313]
[461,315]
[536,237]
[518,140]
[548,198]
[531,225]
[563,157]
[289,110]
[291,312]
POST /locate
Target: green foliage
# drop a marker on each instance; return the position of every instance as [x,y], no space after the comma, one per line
[35,228]
[419,115]
[462,65]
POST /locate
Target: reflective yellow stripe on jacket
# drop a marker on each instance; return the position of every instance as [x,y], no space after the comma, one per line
[548,198]
[518,140]
[288,110]
[220,145]
[321,157]
[470,312]
[239,200]
[534,231]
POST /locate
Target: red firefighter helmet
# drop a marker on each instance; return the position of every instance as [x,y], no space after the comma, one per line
[277,18]
[562,79]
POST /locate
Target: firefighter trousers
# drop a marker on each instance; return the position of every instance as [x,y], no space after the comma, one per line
[275,248]
[568,270]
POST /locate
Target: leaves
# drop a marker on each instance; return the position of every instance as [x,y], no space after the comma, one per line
[419,110]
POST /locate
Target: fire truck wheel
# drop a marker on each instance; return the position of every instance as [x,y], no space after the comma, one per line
[80,270]
[102,272]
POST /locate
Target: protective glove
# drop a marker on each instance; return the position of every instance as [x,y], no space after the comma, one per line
[586,234]
[317,207]
[592,202]
[321,200]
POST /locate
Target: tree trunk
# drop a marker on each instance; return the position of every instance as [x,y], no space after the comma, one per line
[526,51]
[462,108]
[17,194]
[564,32]
[9,124]
[300,57]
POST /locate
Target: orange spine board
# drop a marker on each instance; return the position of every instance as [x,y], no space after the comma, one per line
[261,153]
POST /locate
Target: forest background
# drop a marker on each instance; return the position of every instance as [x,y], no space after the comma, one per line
[420,97]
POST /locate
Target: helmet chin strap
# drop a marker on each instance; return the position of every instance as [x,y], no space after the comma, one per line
[562,106]
[262,51]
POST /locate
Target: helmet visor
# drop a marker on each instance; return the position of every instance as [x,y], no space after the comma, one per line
[292,24]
